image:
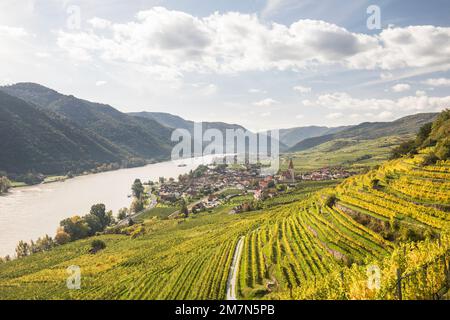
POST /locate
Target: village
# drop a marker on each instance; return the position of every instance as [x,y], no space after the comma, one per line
[208,186]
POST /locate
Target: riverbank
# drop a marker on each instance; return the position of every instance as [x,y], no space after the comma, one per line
[41,207]
[62,178]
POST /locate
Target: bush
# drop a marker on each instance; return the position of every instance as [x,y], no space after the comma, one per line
[330,200]
[407,147]
[97,245]
[443,149]
[429,159]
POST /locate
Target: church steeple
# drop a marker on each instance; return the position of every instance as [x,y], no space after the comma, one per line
[291,164]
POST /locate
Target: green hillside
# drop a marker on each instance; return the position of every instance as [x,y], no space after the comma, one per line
[351,154]
[139,137]
[292,136]
[34,139]
[371,130]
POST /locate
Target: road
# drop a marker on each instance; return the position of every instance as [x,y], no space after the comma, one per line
[234,269]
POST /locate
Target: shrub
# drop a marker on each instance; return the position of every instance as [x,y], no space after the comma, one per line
[404,148]
[429,159]
[330,200]
[97,245]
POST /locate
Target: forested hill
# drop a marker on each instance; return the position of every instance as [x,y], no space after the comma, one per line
[408,125]
[176,122]
[144,138]
[292,136]
[36,140]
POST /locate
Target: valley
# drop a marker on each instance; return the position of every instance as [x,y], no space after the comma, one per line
[312,241]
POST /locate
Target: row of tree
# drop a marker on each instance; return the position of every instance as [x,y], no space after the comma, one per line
[78,227]
[71,229]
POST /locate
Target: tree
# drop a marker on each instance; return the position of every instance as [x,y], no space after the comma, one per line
[137,206]
[184,209]
[94,223]
[99,210]
[137,188]
[45,243]
[23,249]
[123,213]
[423,134]
[62,237]
[76,227]
[404,148]
[5,184]
[443,149]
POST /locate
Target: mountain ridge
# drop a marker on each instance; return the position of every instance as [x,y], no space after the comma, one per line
[371,130]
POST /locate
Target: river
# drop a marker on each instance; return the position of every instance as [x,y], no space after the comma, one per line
[30,212]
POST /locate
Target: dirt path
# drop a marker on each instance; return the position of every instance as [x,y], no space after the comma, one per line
[234,269]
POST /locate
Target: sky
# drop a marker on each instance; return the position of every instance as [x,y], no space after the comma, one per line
[263,64]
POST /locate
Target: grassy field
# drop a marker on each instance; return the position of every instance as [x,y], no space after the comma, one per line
[352,154]
[159,212]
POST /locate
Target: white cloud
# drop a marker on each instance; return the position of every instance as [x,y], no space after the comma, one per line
[401,87]
[234,42]
[421,93]
[257,91]
[334,115]
[13,32]
[440,82]
[42,54]
[100,23]
[302,89]
[299,116]
[385,115]
[100,83]
[266,114]
[344,102]
[386,75]
[266,102]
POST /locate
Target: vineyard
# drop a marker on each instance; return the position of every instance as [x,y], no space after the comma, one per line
[319,240]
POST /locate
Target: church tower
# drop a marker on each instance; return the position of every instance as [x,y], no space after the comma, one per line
[291,170]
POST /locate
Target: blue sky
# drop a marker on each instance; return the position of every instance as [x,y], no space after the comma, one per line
[260,63]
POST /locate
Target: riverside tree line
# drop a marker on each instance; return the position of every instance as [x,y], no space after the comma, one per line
[80,227]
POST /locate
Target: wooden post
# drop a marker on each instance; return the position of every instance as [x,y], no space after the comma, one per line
[399,285]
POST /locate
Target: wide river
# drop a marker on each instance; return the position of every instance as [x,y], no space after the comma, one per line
[30,212]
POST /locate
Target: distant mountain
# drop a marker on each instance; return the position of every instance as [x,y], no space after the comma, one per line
[38,140]
[140,137]
[371,130]
[176,122]
[292,136]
